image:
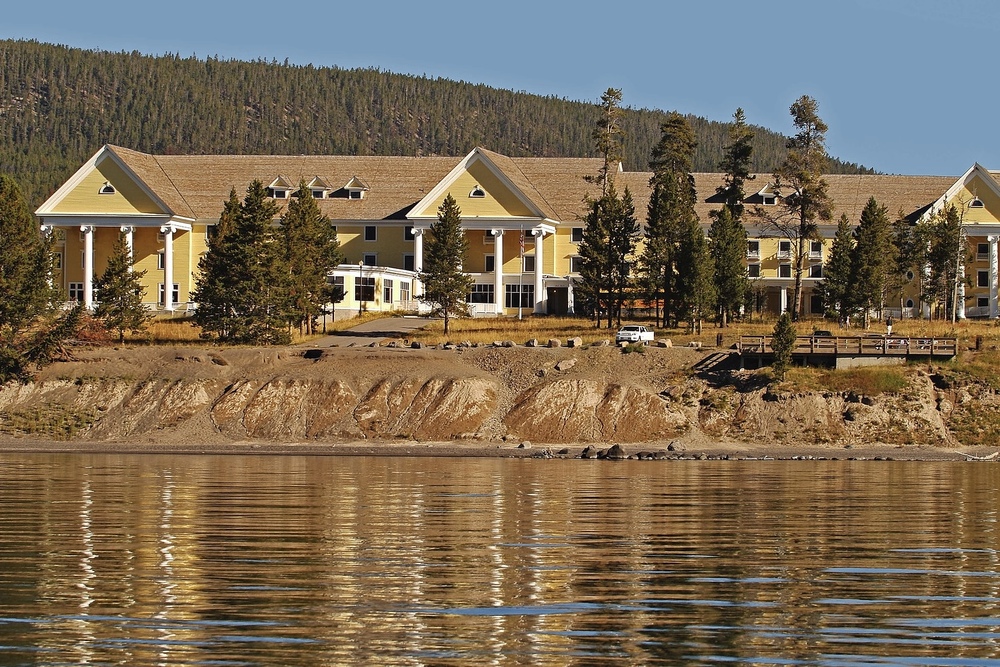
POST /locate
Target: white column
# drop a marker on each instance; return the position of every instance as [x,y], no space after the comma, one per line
[925,306]
[960,299]
[783,296]
[498,294]
[541,302]
[418,260]
[570,305]
[994,306]
[88,266]
[129,233]
[168,267]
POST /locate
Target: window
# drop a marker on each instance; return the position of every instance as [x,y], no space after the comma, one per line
[909,303]
[529,264]
[339,290]
[364,289]
[577,235]
[386,290]
[408,233]
[477,193]
[909,275]
[480,294]
[371,233]
[982,251]
[519,296]
[575,264]
[277,193]
[107,189]
[976,203]
[404,290]
[491,263]
[815,248]
[784,248]
[318,194]
[175,294]
[982,279]
[753,270]
[784,270]
[160,260]
[768,199]
[355,194]
[488,238]
[753,248]
[76,291]
[983,302]
[370,259]
[408,261]
[816,271]
[57,261]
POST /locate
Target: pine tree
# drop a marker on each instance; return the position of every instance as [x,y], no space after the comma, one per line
[871,259]
[945,242]
[30,327]
[727,233]
[799,181]
[782,345]
[119,291]
[670,213]
[446,286]
[312,251]
[244,289]
[835,288]
[695,276]
[623,231]
[215,291]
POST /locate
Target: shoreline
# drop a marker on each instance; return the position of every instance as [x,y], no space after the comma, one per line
[731,451]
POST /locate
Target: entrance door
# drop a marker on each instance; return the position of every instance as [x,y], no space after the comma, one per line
[558,300]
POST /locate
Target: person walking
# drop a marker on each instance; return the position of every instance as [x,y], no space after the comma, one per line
[888,326]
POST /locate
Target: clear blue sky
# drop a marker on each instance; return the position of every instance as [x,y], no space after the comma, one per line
[904,85]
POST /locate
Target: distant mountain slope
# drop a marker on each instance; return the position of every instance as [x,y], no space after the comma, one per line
[58,105]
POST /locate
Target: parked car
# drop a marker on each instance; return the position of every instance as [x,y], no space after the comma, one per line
[634,333]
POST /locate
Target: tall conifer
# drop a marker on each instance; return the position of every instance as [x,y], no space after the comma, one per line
[312,251]
[446,285]
[120,291]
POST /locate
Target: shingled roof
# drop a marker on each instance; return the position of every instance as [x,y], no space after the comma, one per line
[196,186]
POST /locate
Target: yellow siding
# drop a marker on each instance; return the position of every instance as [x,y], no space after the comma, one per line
[991,209]
[128,198]
[499,201]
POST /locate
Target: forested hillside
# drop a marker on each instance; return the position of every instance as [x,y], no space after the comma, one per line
[58,105]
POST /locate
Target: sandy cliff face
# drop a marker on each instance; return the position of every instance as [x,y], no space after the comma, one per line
[560,395]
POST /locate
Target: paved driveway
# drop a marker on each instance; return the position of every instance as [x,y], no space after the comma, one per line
[373,331]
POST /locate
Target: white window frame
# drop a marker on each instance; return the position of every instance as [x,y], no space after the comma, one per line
[74,291]
[176,294]
[491,263]
[370,259]
[784,270]
[576,234]
[753,270]
[374,233]
[753,248]
[529,264]
[387,287]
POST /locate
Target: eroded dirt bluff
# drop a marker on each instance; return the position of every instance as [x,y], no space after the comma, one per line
[596,395]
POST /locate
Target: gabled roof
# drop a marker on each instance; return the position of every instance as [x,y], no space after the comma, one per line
[356,184]
[987,178]
[196,186]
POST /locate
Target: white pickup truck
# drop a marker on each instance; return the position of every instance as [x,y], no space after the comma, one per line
[634,333]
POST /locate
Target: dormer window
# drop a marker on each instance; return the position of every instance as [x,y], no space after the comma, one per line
[318,194]
[977,203]
[356,188]
[318,188]
[477,193]
[768,199]
[107,189]
[280,188]
[277,193]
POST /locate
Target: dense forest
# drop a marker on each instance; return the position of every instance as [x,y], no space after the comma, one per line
[58,105]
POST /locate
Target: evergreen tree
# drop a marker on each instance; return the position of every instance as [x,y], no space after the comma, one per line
[782,345]
[904,258]
[803,190]
[670,213]
[610,226]
[945,243]
[445,284]
[727,233]
[119,291]
[695,276]
[29,325]
[312,251]
[215,292]
[871,259]
[245,290]
[835,288]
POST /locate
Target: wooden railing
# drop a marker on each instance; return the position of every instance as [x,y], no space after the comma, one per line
[856,346]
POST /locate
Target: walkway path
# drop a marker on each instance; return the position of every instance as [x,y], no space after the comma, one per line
[371,332]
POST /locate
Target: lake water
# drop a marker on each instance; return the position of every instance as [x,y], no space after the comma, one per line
[258,560]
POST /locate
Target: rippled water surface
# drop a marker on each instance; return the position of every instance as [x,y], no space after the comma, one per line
[255,560]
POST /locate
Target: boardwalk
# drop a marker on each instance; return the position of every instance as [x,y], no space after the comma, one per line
[838,349]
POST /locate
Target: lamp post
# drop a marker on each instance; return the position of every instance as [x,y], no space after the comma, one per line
[361,287]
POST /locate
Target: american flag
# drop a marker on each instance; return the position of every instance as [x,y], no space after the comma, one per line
[522,241]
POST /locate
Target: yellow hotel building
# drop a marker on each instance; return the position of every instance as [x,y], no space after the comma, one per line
[522,216]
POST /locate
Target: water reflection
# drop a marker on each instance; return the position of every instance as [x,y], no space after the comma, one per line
[296,560]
